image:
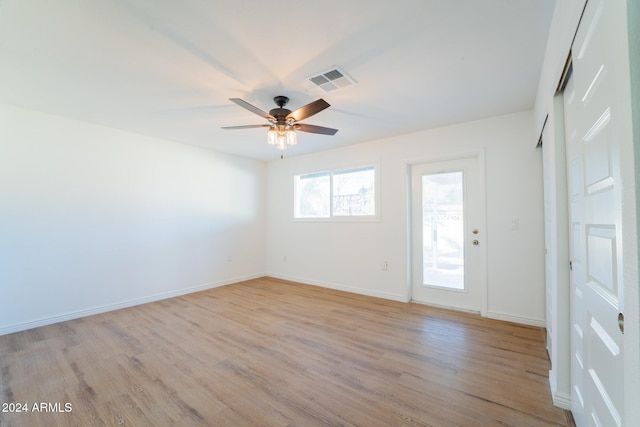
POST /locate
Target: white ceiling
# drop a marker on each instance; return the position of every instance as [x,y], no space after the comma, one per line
[167,68]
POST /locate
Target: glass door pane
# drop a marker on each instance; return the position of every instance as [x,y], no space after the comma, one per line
[443,230]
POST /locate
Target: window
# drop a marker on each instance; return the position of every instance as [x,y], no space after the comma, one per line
[343,193]
[354,192]
[312,195]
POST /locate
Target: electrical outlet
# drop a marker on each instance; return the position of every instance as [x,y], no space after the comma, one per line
[385,266]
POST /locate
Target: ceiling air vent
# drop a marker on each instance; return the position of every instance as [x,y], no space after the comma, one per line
[332,79]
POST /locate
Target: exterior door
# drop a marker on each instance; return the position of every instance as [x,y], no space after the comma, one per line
[598,135]
[448,234]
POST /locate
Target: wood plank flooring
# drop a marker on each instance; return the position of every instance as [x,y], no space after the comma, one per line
[272,353]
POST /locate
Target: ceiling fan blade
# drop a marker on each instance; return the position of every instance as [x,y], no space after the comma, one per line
[245,127]
[308,110]
[253,109]
[315,129]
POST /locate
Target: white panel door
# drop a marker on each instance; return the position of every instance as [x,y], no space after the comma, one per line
[596,123]
[448,234]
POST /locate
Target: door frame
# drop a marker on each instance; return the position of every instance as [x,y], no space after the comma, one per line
[557,279]
[482,220]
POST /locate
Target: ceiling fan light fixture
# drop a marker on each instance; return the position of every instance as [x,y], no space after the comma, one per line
[281,137]
[292,138]
[272,136]
[282,142]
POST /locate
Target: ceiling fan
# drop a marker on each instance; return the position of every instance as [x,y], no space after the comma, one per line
[283,123]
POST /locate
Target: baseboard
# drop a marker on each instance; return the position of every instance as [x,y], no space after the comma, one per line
[17,327]
[352,289]
[517,319]
[561,400]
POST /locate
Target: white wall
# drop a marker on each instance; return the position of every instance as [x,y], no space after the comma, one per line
[349,255]
[93,218]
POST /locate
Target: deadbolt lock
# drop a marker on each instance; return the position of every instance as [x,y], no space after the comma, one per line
[474,231]
[475,243]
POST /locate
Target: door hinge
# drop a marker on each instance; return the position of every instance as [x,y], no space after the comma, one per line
[570,265]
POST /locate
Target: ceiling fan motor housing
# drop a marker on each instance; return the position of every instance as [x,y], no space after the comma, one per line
[280,113]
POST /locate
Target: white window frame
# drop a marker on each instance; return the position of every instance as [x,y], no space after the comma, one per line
[341,218]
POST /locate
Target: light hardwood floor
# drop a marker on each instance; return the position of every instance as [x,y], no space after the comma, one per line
[275,353]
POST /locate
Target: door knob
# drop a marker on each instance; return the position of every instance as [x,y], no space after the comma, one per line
[621,322]
[475,242]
